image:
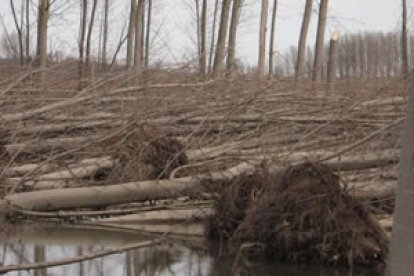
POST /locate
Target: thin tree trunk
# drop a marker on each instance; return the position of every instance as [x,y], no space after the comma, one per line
[82,29]
[131,34]
[28,31]
[138,38]
[41,51]
[203,53]
[105,36]
[401,248]
[333,59]
[213,36]
[404,40]
[89,36]
[39,257]
[231,55]
[262,40]
[198,40]
[143,34]
[272,38]
[19,33]
[320,37]
[148,31]
[300,63]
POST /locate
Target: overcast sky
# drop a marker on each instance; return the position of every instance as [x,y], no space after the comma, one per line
[174,34]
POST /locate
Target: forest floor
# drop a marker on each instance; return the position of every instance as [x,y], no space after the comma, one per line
[155,157]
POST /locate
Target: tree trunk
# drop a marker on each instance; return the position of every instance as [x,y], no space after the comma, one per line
[105,36]
[197,10]
[300,63]
[272,39]
[231,55]
[89,36]
[404,40]
[401,249]
[82,30]
[221,40]
[131,34]
[320,37]
[148,31]
[41,51]
[333,59]
[213,36]
[28,31]
[138,38]
[203,27]
[19,33]
[262,40]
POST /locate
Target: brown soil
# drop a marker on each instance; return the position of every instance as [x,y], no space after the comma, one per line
[304,215]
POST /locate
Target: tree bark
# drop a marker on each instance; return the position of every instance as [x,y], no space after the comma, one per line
[272,38]
[89,36]
[231,55]
[105,36]
[41,51]
[82,31]
[333,59]
[262,40]
[28,31]
[148,32]
[19,33]
[401,250]
[203,27]
[300,63]
[213,36]
[138,38]
[320,38]
[404,40]
[198,39]
[131,34]
[221,40]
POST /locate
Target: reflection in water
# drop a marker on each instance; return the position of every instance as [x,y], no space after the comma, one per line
[166,259]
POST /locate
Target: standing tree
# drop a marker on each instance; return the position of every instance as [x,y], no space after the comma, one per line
[82,31]
[28,58]
[147,35]
[41,50]
[89,35]
[272,38]
[402,250]
[105,35]
[203,30]
[138,53]
[221,41]
[320,38]
[262,39]
[333,59]
[213,36]
[300,62]
[231,55]
[19,33]
[131,34]
[404,40]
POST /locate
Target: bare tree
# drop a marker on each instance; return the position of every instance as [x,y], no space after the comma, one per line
[197,14]
[300,64]
[19,33]
[89,35]
[41,50]
[82,31]
[131,34]
[28,58]
[203,30]
[221,40]
[333,59]
[272,38]
[404,40]
[139,37]
[401,248]
[231,54]
[213,36]
[148,31]
[320,37]
[105,35]
[262,39]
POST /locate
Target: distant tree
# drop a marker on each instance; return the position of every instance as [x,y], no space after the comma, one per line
[19,32]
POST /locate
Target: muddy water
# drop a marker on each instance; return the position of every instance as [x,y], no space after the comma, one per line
[187,256]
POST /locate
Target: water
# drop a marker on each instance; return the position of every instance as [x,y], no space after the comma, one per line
[186,256]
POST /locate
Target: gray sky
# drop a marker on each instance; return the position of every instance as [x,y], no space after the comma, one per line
[175,34]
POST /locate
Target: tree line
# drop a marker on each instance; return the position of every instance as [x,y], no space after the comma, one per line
[349,55]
